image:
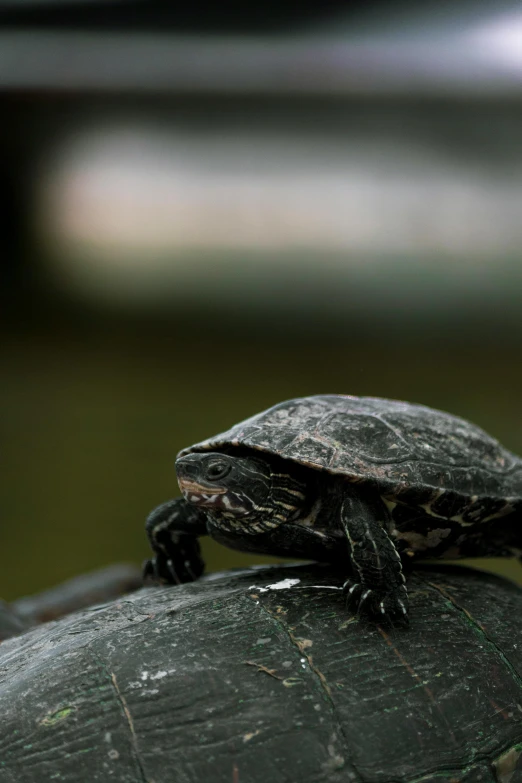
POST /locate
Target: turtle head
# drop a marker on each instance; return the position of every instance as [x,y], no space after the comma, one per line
[240,493]
[220,482]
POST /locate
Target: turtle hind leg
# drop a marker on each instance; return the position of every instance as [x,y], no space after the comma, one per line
[500,537]
[377,590]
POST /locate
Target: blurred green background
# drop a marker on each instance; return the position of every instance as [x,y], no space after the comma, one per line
[340,214]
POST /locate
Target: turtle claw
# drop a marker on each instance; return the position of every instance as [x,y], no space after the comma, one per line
[156,570]
[149,570]
[183,565]
[382,607]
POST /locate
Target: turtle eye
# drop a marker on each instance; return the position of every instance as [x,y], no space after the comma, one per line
[218,470]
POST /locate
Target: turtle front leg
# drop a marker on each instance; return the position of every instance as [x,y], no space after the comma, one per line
[173,530]
[378,590]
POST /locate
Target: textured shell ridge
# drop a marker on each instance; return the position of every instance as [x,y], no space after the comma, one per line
[388,441]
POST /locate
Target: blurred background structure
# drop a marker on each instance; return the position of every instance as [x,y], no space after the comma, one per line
[207,211]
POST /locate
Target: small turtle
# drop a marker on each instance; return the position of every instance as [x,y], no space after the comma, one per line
[366,483]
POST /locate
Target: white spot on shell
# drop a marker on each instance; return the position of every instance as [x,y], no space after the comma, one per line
[320,587]
[158,675]
[284,584]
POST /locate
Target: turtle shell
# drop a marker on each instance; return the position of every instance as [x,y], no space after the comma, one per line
[369,438]
[257,675]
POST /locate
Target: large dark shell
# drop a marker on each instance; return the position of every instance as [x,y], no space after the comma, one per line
[396,443]
[263,677]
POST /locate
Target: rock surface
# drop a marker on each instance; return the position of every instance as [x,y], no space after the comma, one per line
[261,676]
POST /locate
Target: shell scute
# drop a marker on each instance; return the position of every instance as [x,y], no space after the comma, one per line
[365,435]
[438,437]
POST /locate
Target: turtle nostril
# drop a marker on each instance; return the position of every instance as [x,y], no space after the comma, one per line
[187,468]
